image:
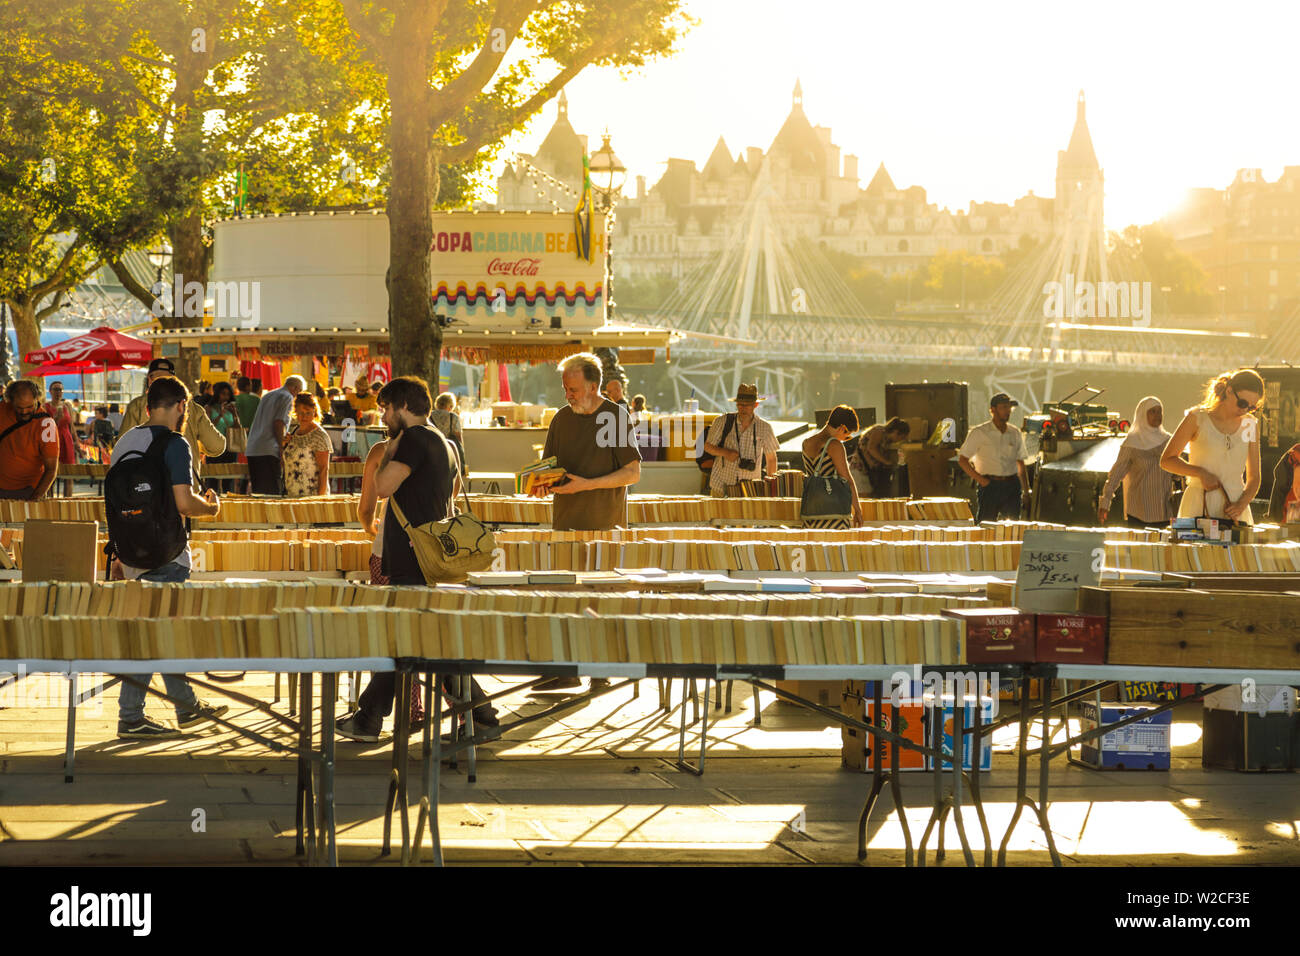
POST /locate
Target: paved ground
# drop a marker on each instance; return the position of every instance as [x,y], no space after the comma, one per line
[597,786]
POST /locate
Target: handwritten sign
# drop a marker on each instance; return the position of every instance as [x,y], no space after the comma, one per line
[1054,565]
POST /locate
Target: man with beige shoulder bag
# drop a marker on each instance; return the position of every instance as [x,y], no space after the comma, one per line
[419,476]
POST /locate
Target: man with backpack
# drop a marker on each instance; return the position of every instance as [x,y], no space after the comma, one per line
[740,444]
[147,496]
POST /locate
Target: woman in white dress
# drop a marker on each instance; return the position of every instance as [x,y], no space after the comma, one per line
[1146,484]
[1222,438]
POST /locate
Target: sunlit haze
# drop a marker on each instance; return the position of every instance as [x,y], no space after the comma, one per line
[970,101]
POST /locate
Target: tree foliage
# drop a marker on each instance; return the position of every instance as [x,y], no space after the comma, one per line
[461,76]
[1149,252]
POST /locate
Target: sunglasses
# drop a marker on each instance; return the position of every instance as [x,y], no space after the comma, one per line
[1243,404]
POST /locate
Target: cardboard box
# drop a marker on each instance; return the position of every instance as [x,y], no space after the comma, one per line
[918,429]
[1149,691]
[1001,593]
[1009,688]
[858,750]
[1071,639]
[60,550]
[1143,745]
[1260,699]
[827,693]
[1249,742]
[928,472]
[948,728]
[997,635]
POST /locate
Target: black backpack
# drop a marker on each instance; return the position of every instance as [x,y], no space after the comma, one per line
[144,528]
[704,461]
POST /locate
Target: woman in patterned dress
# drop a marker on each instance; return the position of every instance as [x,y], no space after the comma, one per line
[823,456]
[306,452]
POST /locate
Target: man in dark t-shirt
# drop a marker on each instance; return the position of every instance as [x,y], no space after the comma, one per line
[591,439]
[419,472]
[425,494]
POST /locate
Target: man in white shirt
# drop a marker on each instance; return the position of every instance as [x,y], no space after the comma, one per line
[994,454]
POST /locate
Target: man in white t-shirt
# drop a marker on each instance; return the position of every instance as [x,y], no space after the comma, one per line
[994,454]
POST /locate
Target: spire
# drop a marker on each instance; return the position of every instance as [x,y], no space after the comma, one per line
[1079,154]
[564,104]
[881,183]
[798,94]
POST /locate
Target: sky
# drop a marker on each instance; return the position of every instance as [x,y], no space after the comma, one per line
[970,101]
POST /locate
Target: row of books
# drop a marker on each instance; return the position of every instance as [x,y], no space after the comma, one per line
[988,531]
[133,600]
[1282,557]
[325,633]
[679,555]
[786,483]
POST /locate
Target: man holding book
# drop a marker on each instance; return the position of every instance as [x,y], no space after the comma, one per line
[166,402]
[591,439]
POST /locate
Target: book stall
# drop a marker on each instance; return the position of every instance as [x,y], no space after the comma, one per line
[778,607]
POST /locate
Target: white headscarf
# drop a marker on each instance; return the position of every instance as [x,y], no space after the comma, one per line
[1141,435]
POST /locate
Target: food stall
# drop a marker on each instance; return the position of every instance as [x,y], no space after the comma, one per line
[304,294]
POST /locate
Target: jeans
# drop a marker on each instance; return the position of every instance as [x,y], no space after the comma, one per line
[17,494]
[264,475]
[130,703]
[1001,498]
[172,572]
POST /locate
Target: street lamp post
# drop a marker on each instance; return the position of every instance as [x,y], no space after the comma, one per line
[607,176]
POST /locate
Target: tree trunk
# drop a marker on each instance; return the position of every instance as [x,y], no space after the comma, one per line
[190,261]
[28,329]
[415,339]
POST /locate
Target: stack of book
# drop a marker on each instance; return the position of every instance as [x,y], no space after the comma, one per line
[786,483]
[538,477]
[939,509]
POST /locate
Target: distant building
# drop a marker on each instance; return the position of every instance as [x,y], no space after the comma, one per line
[690,215]
[560,156]
[1247,238]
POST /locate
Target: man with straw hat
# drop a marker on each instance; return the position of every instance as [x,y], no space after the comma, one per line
[742,449]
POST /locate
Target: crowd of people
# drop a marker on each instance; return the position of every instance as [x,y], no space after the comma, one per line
[419,468]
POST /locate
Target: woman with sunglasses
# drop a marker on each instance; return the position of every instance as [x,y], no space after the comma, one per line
[1222,439]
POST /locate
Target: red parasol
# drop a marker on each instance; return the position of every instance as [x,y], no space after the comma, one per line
[77,368]
[91,352]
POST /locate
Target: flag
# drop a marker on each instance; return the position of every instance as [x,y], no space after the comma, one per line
[582,215]
[241,190]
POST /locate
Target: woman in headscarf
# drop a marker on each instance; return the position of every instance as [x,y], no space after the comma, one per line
[1146,484]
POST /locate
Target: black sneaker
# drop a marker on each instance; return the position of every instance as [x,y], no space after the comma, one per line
[145,729]
[356,727]
[199,715]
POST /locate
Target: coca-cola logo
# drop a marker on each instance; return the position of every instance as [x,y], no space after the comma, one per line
[515,267]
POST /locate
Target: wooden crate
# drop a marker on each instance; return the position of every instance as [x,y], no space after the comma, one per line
[1191,628]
